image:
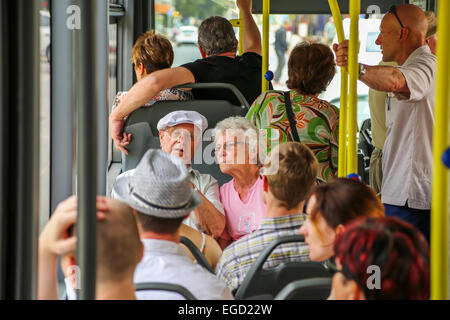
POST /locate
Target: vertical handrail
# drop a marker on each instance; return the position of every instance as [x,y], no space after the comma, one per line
[352,160]
[102,95]
[265,51]
[342,168]
[241,32]
[439,205]
[86,147]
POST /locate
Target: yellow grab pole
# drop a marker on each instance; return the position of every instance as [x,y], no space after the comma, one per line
[342,168]
[241,31]
[439,209]
[237,23]
[265,53]
[352,160]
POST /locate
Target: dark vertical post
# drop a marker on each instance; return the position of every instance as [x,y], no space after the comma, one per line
[62,103]
[19,173]
[86,94]
[101,64]
[151,14]
[4,145]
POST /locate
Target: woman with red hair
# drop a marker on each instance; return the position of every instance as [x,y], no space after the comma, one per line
[381,259]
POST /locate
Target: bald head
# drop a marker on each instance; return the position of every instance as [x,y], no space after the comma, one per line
[118,243]
[412,18]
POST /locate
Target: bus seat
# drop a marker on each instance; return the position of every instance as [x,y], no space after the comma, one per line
[161,286]
[306,289]
[199,257]
[142,124]
[259,281]
[365,149]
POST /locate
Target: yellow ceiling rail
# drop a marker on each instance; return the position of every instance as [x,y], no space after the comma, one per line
[342,168]
[439,204]
[353,70]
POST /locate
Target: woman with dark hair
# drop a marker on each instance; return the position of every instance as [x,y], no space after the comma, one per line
[330,207]
[311,68]
[381,259]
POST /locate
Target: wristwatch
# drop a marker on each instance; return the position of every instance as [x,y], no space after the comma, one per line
[362,70]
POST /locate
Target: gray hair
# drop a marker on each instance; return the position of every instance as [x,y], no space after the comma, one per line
[216,35]
[235,123]
[240,124]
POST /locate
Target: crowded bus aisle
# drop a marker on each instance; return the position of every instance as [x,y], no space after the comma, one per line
[209,186]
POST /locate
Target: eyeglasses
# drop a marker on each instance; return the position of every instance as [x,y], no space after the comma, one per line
[394,12]
[227,146]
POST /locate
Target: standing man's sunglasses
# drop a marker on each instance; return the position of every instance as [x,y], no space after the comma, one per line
[392,10]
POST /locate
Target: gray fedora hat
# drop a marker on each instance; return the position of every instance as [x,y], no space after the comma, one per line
[159,186]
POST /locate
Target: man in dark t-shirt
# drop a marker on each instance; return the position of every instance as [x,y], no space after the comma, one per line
[243,71]
[217,44]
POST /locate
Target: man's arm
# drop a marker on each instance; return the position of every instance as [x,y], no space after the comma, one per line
[209,218]
[381,78]
[142,92]
[55,240]
[251,36]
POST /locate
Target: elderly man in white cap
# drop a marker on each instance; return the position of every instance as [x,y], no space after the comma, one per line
[159,193]
[180,133]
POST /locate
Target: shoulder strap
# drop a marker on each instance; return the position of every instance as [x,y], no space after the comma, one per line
[290,114]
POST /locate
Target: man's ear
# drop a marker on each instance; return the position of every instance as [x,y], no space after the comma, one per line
[339,229]
[404,32]
[202,52]
[72,260]
[142,70]
[265,184]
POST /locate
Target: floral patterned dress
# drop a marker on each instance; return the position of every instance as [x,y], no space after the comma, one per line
[317,126]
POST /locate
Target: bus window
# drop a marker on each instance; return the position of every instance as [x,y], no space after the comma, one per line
[179,22]
[45,53]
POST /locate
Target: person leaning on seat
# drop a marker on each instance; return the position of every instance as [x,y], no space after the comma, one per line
[284,192]
[152,52]
[159,193]
[118,250]
[180,133]
[311,67]
[407,154]
[237,154]
[218,45]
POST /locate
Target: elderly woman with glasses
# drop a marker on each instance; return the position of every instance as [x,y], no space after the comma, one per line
[237,154]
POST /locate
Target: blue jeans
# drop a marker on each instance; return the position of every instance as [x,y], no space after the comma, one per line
[416,217]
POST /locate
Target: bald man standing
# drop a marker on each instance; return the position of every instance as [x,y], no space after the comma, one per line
[407,153]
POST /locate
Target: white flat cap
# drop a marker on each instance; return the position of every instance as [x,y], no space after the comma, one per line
[182,116]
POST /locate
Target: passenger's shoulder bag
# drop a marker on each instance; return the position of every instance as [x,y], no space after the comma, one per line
[290,114]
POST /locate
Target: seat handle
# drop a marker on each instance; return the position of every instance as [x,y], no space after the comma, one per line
[162,286]
[215,85]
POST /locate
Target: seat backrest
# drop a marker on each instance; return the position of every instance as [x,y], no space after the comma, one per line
[199,257]
[142,124]
[161,286]
[259,281]
[306,289]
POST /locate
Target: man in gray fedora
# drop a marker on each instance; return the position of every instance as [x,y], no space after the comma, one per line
[159,193]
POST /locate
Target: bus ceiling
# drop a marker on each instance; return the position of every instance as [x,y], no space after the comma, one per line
[322,6]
